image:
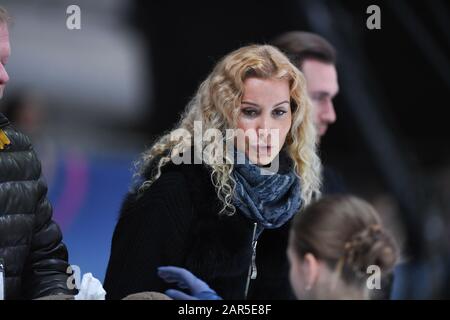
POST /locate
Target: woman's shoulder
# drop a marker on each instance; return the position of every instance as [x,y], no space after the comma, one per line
[181,184]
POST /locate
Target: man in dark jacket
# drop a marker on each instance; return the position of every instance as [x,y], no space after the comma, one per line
[33,260]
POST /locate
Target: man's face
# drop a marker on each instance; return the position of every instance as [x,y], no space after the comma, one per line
[322,85]
[5,51]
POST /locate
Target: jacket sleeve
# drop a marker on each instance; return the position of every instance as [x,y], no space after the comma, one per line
[151,232]
[45,272]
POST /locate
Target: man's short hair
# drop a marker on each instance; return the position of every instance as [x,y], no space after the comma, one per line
[300,45]
[4,16]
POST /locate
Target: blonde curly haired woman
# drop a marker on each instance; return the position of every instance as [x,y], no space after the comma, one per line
[221,205]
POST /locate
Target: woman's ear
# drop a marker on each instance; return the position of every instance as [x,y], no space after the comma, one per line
[311,267]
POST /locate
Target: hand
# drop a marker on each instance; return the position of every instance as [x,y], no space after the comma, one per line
[184,279]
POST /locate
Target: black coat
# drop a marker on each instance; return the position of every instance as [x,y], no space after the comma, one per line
[176,222]
[33,257]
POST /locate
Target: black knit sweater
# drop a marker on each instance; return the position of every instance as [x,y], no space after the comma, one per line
[176,222]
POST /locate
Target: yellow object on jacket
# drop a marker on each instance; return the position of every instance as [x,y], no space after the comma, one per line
[4,140]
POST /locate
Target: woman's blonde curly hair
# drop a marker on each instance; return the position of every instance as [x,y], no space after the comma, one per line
[216,105]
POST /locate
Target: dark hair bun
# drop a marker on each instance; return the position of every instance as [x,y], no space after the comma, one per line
[371,246]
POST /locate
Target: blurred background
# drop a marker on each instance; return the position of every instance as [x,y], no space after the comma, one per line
[93,99]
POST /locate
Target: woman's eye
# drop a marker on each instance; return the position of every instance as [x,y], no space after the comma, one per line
[279,112]
[249,112]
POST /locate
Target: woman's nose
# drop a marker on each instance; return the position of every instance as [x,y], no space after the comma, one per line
[265,129]
[265,122]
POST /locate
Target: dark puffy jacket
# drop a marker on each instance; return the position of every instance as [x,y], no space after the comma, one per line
[31,252]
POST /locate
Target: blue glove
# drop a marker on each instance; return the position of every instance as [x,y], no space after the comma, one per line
[184,279]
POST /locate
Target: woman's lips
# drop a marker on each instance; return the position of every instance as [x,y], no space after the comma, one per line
[261,148]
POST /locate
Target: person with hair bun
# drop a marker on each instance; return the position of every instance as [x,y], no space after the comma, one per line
[332,245]
[335,244]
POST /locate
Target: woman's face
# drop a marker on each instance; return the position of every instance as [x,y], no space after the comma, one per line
[265,119]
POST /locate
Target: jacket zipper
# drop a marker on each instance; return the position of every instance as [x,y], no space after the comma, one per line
[252,272]
[2,280]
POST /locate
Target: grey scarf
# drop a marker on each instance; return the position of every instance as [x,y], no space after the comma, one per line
[270,200]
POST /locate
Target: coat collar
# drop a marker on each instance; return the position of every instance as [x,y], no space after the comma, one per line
[3,120]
